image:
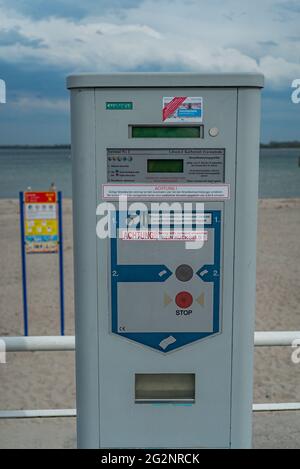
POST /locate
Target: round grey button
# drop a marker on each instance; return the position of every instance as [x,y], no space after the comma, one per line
[213,132]
[184,272]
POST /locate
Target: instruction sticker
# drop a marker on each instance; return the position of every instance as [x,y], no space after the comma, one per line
[182,109]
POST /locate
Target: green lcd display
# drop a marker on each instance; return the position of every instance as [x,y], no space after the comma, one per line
[160,131]
[165,166]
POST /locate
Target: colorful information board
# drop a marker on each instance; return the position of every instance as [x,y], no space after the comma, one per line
[41,222]
[41,232]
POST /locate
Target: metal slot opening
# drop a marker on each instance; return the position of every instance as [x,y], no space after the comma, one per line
[166,131]
[164,387]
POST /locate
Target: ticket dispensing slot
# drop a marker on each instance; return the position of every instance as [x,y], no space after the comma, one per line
[164,387]
[166,131]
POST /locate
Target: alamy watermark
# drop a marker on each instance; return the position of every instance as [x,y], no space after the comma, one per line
[295,357]
[157,221]
[295,96]
[2,352]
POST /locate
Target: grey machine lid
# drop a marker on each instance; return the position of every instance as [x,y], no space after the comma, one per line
[168,80]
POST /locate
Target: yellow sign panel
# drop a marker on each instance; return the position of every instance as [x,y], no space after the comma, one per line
[41,228]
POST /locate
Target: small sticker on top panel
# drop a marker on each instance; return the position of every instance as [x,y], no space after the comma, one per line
[182,109]
[119,106]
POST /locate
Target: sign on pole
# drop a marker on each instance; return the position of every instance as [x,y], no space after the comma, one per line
[41,232]
[41,222]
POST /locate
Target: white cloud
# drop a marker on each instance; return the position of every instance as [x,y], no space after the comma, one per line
[184,35]
[279,70]
[33,103]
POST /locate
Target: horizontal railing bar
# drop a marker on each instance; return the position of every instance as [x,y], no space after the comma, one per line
[39,343]
[52,413]
[38,413]
[276,338]
[276,406]
[61,343]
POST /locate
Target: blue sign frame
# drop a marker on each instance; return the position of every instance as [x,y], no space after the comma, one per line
[60,260]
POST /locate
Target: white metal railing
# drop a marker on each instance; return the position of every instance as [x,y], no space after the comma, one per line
[61,343]
[42,413]
[38,413]
[276,338]
[67,343]
[39,343]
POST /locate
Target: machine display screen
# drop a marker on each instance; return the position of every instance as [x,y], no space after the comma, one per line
[165,166]
[160,131]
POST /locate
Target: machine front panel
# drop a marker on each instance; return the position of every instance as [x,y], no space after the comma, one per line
[165,323]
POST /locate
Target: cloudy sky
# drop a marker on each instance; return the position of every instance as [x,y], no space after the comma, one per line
[42,41]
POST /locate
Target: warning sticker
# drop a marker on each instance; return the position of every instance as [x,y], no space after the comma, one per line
[182,109]
[166,191]
[156,235]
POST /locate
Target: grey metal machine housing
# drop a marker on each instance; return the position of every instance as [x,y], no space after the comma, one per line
[164,335]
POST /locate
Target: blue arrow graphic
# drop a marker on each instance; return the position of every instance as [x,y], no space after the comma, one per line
[208,273]
[142,273]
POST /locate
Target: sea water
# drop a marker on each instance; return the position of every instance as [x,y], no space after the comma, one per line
[20,168]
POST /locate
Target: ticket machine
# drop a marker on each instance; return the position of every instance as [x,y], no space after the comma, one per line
[164,328]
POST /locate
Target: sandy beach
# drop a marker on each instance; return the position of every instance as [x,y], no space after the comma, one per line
[46,380]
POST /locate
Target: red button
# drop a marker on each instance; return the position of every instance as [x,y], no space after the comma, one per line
[184,299]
